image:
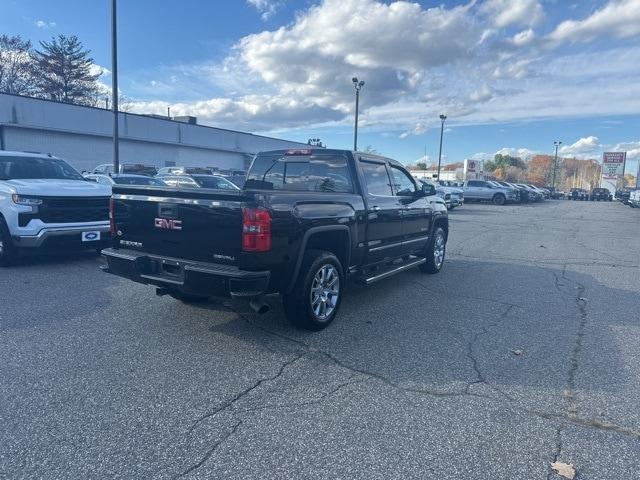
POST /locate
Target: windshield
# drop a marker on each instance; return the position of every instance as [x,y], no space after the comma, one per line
[138,181]
[210,181]
[27,168]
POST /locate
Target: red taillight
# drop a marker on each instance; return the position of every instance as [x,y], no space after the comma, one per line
[256,230]
[112,221]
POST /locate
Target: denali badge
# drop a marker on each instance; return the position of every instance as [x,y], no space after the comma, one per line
[168,223]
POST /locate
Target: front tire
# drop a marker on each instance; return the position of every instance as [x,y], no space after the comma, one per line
[435,252]
[8,253]
[499,199]
[315,300]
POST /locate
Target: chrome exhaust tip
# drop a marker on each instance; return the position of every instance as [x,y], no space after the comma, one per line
[259,305]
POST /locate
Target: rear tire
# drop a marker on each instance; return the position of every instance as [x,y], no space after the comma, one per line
[315,300]
[8,253]
[435,252]
[499,199]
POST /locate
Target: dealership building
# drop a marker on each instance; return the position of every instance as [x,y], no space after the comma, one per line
[83,136]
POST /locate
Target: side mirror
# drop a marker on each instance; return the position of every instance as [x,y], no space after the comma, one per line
[428,189]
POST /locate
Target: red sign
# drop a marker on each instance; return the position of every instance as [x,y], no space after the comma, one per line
[614,157]
[613,164]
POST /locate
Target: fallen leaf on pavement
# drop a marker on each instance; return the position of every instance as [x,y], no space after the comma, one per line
[565,470]
[517,351]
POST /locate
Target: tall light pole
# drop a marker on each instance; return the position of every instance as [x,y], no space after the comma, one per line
[114,85]
[357,85]
[557,143]
[443,117]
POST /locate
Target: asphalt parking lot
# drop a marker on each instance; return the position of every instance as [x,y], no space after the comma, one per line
[524,350]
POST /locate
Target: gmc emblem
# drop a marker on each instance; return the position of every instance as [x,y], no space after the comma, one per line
[168,224]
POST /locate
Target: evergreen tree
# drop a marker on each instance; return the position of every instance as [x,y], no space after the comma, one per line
[64,71]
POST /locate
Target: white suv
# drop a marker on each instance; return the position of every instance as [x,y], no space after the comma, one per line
[46,204]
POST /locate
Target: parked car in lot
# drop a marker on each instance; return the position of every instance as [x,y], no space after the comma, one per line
[623,195]
[452,197]
[544,194]
[522,195]
[305,222]
[482,190]
[533,194]
[47,205]
[131,168]
[124,179]
[554,193]
[578,194]
[235,176]
[185,171]
[634,199]
[600,194]
[199,181]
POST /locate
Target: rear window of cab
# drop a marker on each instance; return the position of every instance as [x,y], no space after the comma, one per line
[299,172]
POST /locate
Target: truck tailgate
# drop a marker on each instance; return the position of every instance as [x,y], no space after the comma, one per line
[202,224]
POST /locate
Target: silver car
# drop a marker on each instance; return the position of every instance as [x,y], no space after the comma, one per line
[482,190]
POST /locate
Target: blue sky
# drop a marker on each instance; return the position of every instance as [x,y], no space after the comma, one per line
[512,75]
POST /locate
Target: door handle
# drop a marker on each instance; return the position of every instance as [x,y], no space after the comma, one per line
[375,208]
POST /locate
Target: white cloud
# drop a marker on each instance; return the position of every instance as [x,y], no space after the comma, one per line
[388,45]
[523,38]
[585,147]
[251,112]
[504,13]
[266,8]
[478,63]
[43,24]
[482,94]
[523,153]
[618,18]
[419,129]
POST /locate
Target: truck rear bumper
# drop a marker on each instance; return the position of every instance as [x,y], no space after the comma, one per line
[186,276]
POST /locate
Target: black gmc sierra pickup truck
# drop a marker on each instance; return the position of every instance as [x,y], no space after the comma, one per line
[304,222]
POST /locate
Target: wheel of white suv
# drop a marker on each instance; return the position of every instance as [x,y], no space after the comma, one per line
[499,199]
[435,252]
[7,250]
[315,300]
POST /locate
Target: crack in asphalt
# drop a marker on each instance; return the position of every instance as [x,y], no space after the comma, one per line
[230,403]
[340,363]
[474,362]
[210,452]
[504,400]
[315,401]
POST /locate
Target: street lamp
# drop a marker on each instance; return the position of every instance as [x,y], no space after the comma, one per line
[557,143]
[357,85]
[443,117]
[114,86]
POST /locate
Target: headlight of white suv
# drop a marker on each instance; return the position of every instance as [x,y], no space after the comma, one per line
[20,200]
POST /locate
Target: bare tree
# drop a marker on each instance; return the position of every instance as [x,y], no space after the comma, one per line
[16,66]
[65,71]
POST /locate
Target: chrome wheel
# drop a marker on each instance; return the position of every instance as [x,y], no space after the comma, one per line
[325,291]
[438,250]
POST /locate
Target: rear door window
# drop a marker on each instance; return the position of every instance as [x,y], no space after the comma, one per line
[318,172]
[377,178]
